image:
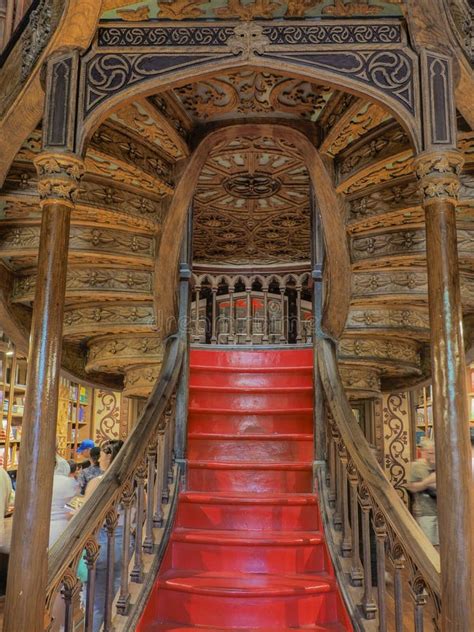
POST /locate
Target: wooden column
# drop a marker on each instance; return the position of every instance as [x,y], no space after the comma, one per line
[59,172]
[439,181]
[25,602]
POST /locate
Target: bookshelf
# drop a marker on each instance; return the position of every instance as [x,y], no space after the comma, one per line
[74,416]
[12,395]
[424,413]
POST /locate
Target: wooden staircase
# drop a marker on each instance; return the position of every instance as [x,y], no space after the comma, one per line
[247,549]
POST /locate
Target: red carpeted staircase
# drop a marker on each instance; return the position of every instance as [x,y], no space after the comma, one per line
[247,550]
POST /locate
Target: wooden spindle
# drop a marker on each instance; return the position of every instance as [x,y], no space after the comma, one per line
[346,544]
[71,587]
[369,606]
[92,549]
[136,575]
[282,303]
[299,336]
[398,566]
[123,602]
[231,337]
[158,514]
[418,594]
[248,318]
[111,522]
[265,314]
[356,572]
[380,529]
[337,517]
[149,541]
[214,316]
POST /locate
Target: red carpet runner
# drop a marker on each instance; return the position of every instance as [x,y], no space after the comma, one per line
[247,551]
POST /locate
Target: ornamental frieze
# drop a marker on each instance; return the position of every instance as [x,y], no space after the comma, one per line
[109,140]
[360,379]
[113,353]
[357,121]
[139,117]
[396,243]
[393,356]
[402,319]
[140,380]
[378,173]
[81,282]
[378,145]
[16,239]
[376,284]
[402,194]
[109,317]
[102,165]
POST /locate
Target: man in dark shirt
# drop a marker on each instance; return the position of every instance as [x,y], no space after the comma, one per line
[90,472]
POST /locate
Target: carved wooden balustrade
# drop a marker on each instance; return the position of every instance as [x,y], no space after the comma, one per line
[255,309]
[128,502]
[381,551]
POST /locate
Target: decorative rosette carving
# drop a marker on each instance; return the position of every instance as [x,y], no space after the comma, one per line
[59,177]
[438,173]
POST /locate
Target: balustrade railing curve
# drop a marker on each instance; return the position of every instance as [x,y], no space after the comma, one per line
[128,501]
[380,548]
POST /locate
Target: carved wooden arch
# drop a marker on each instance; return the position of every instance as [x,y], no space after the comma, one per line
[338,268]
[373,60]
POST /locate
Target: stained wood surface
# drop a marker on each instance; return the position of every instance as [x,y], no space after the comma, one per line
[395,512]
[453,453]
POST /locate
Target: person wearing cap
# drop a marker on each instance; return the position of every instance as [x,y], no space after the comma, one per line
[84,448]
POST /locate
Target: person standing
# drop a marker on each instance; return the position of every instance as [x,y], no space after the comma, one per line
[90,472]
[422,484]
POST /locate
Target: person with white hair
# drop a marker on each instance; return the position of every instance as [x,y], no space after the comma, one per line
[422,485]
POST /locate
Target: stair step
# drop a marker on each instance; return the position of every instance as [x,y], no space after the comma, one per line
[250,477]
[221,510]
[280,359]
[248,551]
[268,448]
[242,600]
[233,422]
[252,377]
[171,627]
[249,399]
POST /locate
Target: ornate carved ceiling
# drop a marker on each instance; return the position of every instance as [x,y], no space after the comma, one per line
[252,204]
[246,9]
[252,93]
[251,207]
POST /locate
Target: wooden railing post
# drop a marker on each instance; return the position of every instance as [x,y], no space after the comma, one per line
[123,601]
[137,572]
[356,572]
[91,556]
[149,541]
[111,522]
[158,515]
[369,606]
[59,175]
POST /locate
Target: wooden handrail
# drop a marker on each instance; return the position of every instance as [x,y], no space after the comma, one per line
[414,542]
[71,543]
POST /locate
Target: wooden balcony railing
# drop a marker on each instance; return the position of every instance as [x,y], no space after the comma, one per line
[385,561]
[129,501]
[256,309]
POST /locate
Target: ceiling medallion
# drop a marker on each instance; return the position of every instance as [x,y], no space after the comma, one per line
[252,185]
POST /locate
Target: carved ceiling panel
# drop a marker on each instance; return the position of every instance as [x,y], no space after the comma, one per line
[246,9]
[252,93]
[252,204]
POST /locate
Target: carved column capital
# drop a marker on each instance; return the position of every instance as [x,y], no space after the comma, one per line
[59,176]
[438,175]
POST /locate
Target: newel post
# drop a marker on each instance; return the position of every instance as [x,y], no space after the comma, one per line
[438,169]
[59,174]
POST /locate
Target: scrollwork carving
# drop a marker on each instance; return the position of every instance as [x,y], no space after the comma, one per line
[396,435]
